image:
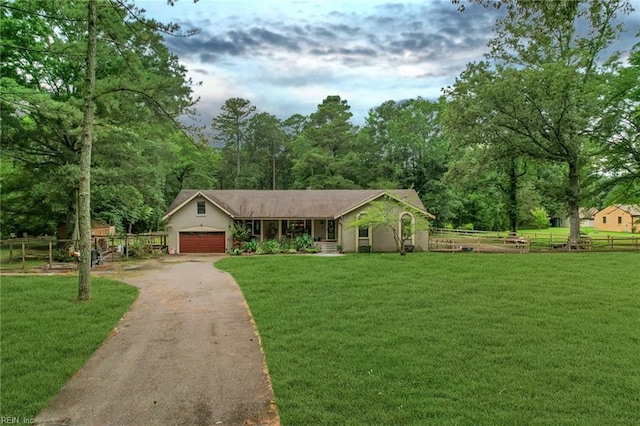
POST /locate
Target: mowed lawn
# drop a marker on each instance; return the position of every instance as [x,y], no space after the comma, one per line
[444,339]
[46,336]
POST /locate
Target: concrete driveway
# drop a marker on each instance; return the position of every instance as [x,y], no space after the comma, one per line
[187,353]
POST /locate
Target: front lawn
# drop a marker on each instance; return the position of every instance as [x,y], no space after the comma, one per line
[46,336]
[434,338]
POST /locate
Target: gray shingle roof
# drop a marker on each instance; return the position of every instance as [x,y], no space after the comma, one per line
[633,209]
[306,203]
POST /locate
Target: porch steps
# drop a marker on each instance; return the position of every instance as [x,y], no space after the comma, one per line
[328,246]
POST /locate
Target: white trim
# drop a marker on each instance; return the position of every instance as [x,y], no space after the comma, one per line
[369,233]
[392,195]
[202,229]
[360,204]
[413,225]
[408,204]
[188,200]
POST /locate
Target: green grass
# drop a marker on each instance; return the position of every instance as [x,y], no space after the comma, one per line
[564,232]
[46,336]
[12,259]
[449,339]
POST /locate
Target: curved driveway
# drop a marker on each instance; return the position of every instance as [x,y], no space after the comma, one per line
[187,353]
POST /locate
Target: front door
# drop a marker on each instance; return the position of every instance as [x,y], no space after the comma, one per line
[331,230]
[270,229]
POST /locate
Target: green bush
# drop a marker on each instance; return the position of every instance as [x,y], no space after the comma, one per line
[286,244]
[364,249]
[251,246]
[140,249]
[269,247]
[239,233]
[63,255]
[540,217]
[304,241]
[235,252]
[468,226]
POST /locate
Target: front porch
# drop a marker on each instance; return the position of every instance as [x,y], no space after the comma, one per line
[320,229]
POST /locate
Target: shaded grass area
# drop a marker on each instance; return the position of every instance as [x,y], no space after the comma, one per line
[433,338]
[46,335]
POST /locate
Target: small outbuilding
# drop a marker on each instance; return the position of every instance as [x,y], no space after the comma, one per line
[98,229]
[618,218]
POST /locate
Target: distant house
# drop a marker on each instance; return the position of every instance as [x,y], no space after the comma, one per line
[587,219]
[200,221]
[618,218]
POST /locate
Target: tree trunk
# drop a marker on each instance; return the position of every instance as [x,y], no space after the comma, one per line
[73,227]
[237,182]
[84,188]
[513,198]
[273,168]
[574,203]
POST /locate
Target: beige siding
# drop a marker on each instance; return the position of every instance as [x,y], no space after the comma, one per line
[382,237]
[617,220]
[187,218]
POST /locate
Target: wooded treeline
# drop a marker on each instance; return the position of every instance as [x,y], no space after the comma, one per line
[544,124]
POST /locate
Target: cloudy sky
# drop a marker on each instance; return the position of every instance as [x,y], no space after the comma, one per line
[287,56]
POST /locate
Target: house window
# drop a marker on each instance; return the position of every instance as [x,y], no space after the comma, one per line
[619,219]
[295,228]
[201,209]
[604,220]
[363,232]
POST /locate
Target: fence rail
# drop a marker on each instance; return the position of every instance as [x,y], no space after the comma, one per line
[448,240]
[52,253]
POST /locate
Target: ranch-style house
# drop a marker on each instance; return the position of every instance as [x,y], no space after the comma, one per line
[201,221]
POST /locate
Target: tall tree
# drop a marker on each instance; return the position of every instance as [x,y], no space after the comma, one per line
[620,127]
[230,127]
[545,82]
[50,100]
[266,148]
[402,146]
[323,158]
[84,188]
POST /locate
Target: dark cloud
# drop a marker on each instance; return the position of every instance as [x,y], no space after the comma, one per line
[268,38]
[392,32]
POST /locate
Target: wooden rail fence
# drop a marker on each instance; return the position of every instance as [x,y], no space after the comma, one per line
[447,240]
[47,252]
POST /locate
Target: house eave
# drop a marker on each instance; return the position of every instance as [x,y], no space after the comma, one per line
[188,200]
[377,196]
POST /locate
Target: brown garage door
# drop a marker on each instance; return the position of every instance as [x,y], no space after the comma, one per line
[202,242]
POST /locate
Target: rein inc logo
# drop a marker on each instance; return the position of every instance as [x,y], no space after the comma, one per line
[6,420]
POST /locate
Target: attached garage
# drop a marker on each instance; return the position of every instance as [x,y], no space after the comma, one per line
[202,242]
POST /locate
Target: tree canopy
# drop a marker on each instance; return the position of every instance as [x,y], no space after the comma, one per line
[545,121]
